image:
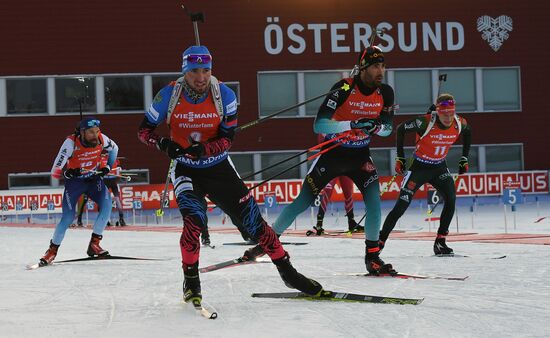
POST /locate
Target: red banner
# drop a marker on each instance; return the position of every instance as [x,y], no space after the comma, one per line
[476,184]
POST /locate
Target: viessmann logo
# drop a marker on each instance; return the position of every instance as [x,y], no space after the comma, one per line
[441,136]
[363,105]
[192,116]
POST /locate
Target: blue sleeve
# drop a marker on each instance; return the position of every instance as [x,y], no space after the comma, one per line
[229,101]
[158,110]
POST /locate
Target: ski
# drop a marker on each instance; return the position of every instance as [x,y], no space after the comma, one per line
[252,243]
[340,296]
[406,276]
[465,256]
[93,258]
[201,310]
[233,262]
[326,233]
[107,257]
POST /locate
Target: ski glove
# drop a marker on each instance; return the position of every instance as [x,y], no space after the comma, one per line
[174,150]
[103,171]
[195,150]
[463,165]
[72,173]
[400,165]
[366,125]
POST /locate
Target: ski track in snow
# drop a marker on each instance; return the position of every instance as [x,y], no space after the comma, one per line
[508,297]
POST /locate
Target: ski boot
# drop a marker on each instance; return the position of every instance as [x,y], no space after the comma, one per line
[49,256]
[79,223]
[381,244]
[94,249]
[440,246]
[192,284]
[253,253]
[121,222]
[295,280]
[353,226]
[319,229]
[375,265]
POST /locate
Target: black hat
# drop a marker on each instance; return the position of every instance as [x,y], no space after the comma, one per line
[370,56]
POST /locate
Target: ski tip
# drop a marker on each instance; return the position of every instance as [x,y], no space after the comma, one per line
[32,266]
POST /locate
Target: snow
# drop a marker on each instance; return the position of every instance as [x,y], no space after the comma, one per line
[507,297]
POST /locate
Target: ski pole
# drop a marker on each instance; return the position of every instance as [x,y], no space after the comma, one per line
[320,145]
[344,87]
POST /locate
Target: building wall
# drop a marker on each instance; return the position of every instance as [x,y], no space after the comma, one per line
[84,37]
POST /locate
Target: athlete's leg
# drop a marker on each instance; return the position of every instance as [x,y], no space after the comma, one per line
[73,189]
[322,171]
[100,194]
[444,184]
[414,179]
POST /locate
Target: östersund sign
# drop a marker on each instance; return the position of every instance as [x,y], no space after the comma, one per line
[405,36]
[353,37]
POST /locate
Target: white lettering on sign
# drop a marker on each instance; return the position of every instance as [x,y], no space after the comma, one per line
[353,37]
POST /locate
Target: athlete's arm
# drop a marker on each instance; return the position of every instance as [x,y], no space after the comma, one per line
[386,116]
[65,152]
[324,124]
[417,125]
[112,148]
[226,129]
[466,138]
[154,116]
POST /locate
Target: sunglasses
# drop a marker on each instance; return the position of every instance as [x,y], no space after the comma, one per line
[198,58]
[446,103]
[93,123]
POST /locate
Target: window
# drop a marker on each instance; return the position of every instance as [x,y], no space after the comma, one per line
[138,176]
[244,164]
[277,91]
[317,84]
[124,93]
[26,96]
[504,158]
[381,158]
[501,89]
[236,88]
[25,181]
[161,81]
[454,155]
[272,158]
[461,83]
[413,90]
[71,92]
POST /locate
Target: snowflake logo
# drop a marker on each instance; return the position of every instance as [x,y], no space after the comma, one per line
[494,31]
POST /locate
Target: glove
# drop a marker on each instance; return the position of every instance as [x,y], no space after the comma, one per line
[103,171]
[72,173]
[195,150]
[163,143]
[368,126]
[174,150]
[463,165]
[400,165]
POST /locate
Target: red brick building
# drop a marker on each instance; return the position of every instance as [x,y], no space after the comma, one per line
[113,55]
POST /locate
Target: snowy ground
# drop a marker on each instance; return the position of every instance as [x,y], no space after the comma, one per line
[502,298]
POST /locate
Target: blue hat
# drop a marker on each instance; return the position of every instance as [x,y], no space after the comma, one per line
[89,122]
[196,57]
